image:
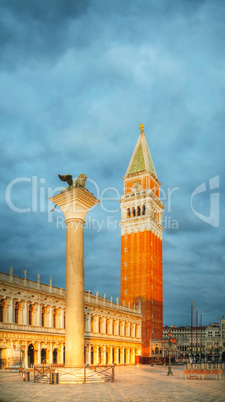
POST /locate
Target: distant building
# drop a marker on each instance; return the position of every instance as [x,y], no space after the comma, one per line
[206,344]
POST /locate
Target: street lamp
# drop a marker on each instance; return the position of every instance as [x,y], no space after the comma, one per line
[217,351]
[171,341]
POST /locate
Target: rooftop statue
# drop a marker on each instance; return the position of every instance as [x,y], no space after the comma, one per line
[79,182]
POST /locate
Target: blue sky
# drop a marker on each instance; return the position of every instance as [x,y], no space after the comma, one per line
[76,81]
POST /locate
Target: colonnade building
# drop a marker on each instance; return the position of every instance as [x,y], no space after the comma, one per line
[32,325]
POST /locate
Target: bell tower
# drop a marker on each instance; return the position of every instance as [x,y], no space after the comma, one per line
[141,242]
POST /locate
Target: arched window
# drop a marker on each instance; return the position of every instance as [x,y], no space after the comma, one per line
[128,212]
[30,355]
[143,209]
[138,211]
[133,212]
[43,356]
[55,353]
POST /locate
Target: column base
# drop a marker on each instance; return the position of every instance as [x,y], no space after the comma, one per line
[79,375]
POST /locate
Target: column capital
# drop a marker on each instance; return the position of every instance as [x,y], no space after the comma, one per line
[8,301]
[75,203]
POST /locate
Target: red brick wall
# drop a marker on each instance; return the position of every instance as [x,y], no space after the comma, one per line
[144,281]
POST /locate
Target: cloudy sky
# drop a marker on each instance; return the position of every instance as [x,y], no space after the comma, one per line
[76,79]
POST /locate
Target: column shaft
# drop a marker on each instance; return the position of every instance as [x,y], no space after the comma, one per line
[74,293]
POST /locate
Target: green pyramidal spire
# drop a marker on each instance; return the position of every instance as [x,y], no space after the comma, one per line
[141,160]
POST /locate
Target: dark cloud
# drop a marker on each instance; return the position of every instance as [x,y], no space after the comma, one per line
[53,12]
[34,32]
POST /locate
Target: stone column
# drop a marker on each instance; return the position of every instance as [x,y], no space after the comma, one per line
[25,313]
[103,355]
[36,315]
[122,355]
[139,331]
[101,325]
[117,361]
[110,355]
[109,326]
[96,355]
[96,324]
[61,318]
[88,354]
[87,323]
[26,355]
[61,354]
[37,353]
[132,359]
[128,329]
[75,204]
[10,310]
[128,355]
[50,353]
[50,317]
[121,328]
[132,330]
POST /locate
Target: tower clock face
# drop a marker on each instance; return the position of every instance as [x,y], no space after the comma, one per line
[136,186]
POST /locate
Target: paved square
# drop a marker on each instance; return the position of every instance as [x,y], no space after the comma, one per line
[143,383]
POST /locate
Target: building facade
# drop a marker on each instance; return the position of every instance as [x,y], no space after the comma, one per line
[206,343]
[32,325]
[141,242]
